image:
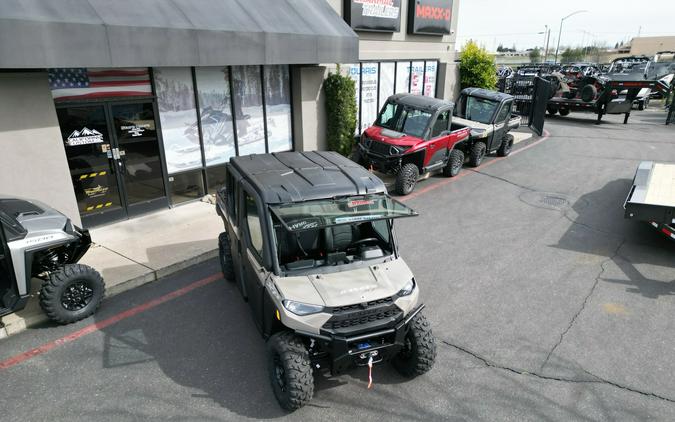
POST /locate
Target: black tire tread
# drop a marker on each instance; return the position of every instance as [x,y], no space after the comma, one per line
[295,357]
[455,163]
[50,300]
[505,148]
[225,256]
[424,344]
[477,153]
[406,171]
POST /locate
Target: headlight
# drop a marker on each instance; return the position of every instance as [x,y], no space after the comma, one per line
[408,288]
[299,308]
[397,150]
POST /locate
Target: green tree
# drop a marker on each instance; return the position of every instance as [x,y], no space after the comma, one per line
[341,112]
[535,55]
[571,55]
[476,67]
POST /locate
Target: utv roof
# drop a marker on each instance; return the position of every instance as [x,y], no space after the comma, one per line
[421,102]
[486,94]
[304,176]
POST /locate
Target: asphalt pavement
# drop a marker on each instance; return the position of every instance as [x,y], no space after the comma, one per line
[546,304]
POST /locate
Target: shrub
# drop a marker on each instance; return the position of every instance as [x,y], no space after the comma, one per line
[340,112]
[476,67]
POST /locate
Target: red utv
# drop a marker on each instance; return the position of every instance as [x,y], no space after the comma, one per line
[412,137]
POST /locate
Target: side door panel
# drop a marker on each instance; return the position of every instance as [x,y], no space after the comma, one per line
[500,125]
[438,144]
[254,273]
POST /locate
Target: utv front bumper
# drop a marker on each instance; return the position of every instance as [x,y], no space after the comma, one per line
[380,157]
[341,352]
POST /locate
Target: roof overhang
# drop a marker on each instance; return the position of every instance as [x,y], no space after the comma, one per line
[132,33]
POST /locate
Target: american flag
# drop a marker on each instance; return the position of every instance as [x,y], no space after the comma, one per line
[85,83]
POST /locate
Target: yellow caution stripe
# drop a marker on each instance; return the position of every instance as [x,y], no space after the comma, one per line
[90,175]
[98,206]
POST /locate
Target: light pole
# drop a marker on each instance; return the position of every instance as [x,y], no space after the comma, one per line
[560,32]
[548,37]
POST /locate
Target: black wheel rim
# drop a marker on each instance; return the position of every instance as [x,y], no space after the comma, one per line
[410,181]
[279,373]
[77,296]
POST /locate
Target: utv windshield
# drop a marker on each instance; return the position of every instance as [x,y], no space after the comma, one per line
[331,212]
[404,119]
[328,232]
[477,109]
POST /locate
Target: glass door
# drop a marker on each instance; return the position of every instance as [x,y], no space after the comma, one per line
[138,156]
[89,147]
[114,158]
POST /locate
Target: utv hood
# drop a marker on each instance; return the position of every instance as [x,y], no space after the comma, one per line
[347,287]
[391,137]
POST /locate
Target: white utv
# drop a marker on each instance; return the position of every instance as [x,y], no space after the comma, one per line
[309,243]
[37,241]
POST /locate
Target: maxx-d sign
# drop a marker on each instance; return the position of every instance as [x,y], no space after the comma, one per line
[430,17]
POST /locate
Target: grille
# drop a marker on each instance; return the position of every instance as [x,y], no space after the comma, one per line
[358,306]
[354,316]
[380,147]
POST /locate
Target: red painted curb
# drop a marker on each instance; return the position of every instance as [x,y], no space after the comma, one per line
[22,357]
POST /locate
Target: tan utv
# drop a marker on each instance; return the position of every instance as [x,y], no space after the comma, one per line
[309,242]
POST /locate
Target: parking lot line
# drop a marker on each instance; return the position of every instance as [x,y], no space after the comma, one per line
[428,188]
[97,326]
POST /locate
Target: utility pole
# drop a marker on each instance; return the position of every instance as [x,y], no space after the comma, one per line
[560,32]
[548,37]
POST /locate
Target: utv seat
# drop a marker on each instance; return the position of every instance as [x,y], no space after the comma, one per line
[338,238]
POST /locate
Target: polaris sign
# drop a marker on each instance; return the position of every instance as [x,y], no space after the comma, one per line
[373,15]
[430,17]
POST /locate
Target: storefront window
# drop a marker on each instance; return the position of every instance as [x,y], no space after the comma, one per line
[215,178]
[178,116]
[247,95]
[186,186]
[369,75]
[402,77]
[215,111]
[417,76]
[430,79]
[387,70]
[278,108]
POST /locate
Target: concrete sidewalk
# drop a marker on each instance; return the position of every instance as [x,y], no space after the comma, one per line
[134,252]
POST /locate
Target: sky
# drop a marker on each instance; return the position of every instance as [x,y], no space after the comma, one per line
[508,22]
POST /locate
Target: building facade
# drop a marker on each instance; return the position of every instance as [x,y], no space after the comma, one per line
[107,114]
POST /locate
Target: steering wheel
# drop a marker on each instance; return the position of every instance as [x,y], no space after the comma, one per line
[364,241]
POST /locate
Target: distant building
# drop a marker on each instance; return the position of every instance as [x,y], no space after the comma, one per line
[649,46]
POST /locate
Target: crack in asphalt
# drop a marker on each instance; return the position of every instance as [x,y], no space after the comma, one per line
[503,180]
[583,304]
[596,379]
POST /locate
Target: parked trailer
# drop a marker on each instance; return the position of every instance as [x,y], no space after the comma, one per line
[607,101]
[652,196]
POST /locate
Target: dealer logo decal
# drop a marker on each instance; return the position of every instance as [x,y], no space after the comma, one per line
[85,136]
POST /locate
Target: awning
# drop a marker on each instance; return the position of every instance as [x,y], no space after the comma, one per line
[123,33]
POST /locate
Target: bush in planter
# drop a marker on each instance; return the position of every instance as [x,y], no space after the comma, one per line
[340,112]
[476,67]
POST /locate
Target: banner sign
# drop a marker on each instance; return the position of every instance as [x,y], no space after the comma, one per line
[430,17]
[373,15]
